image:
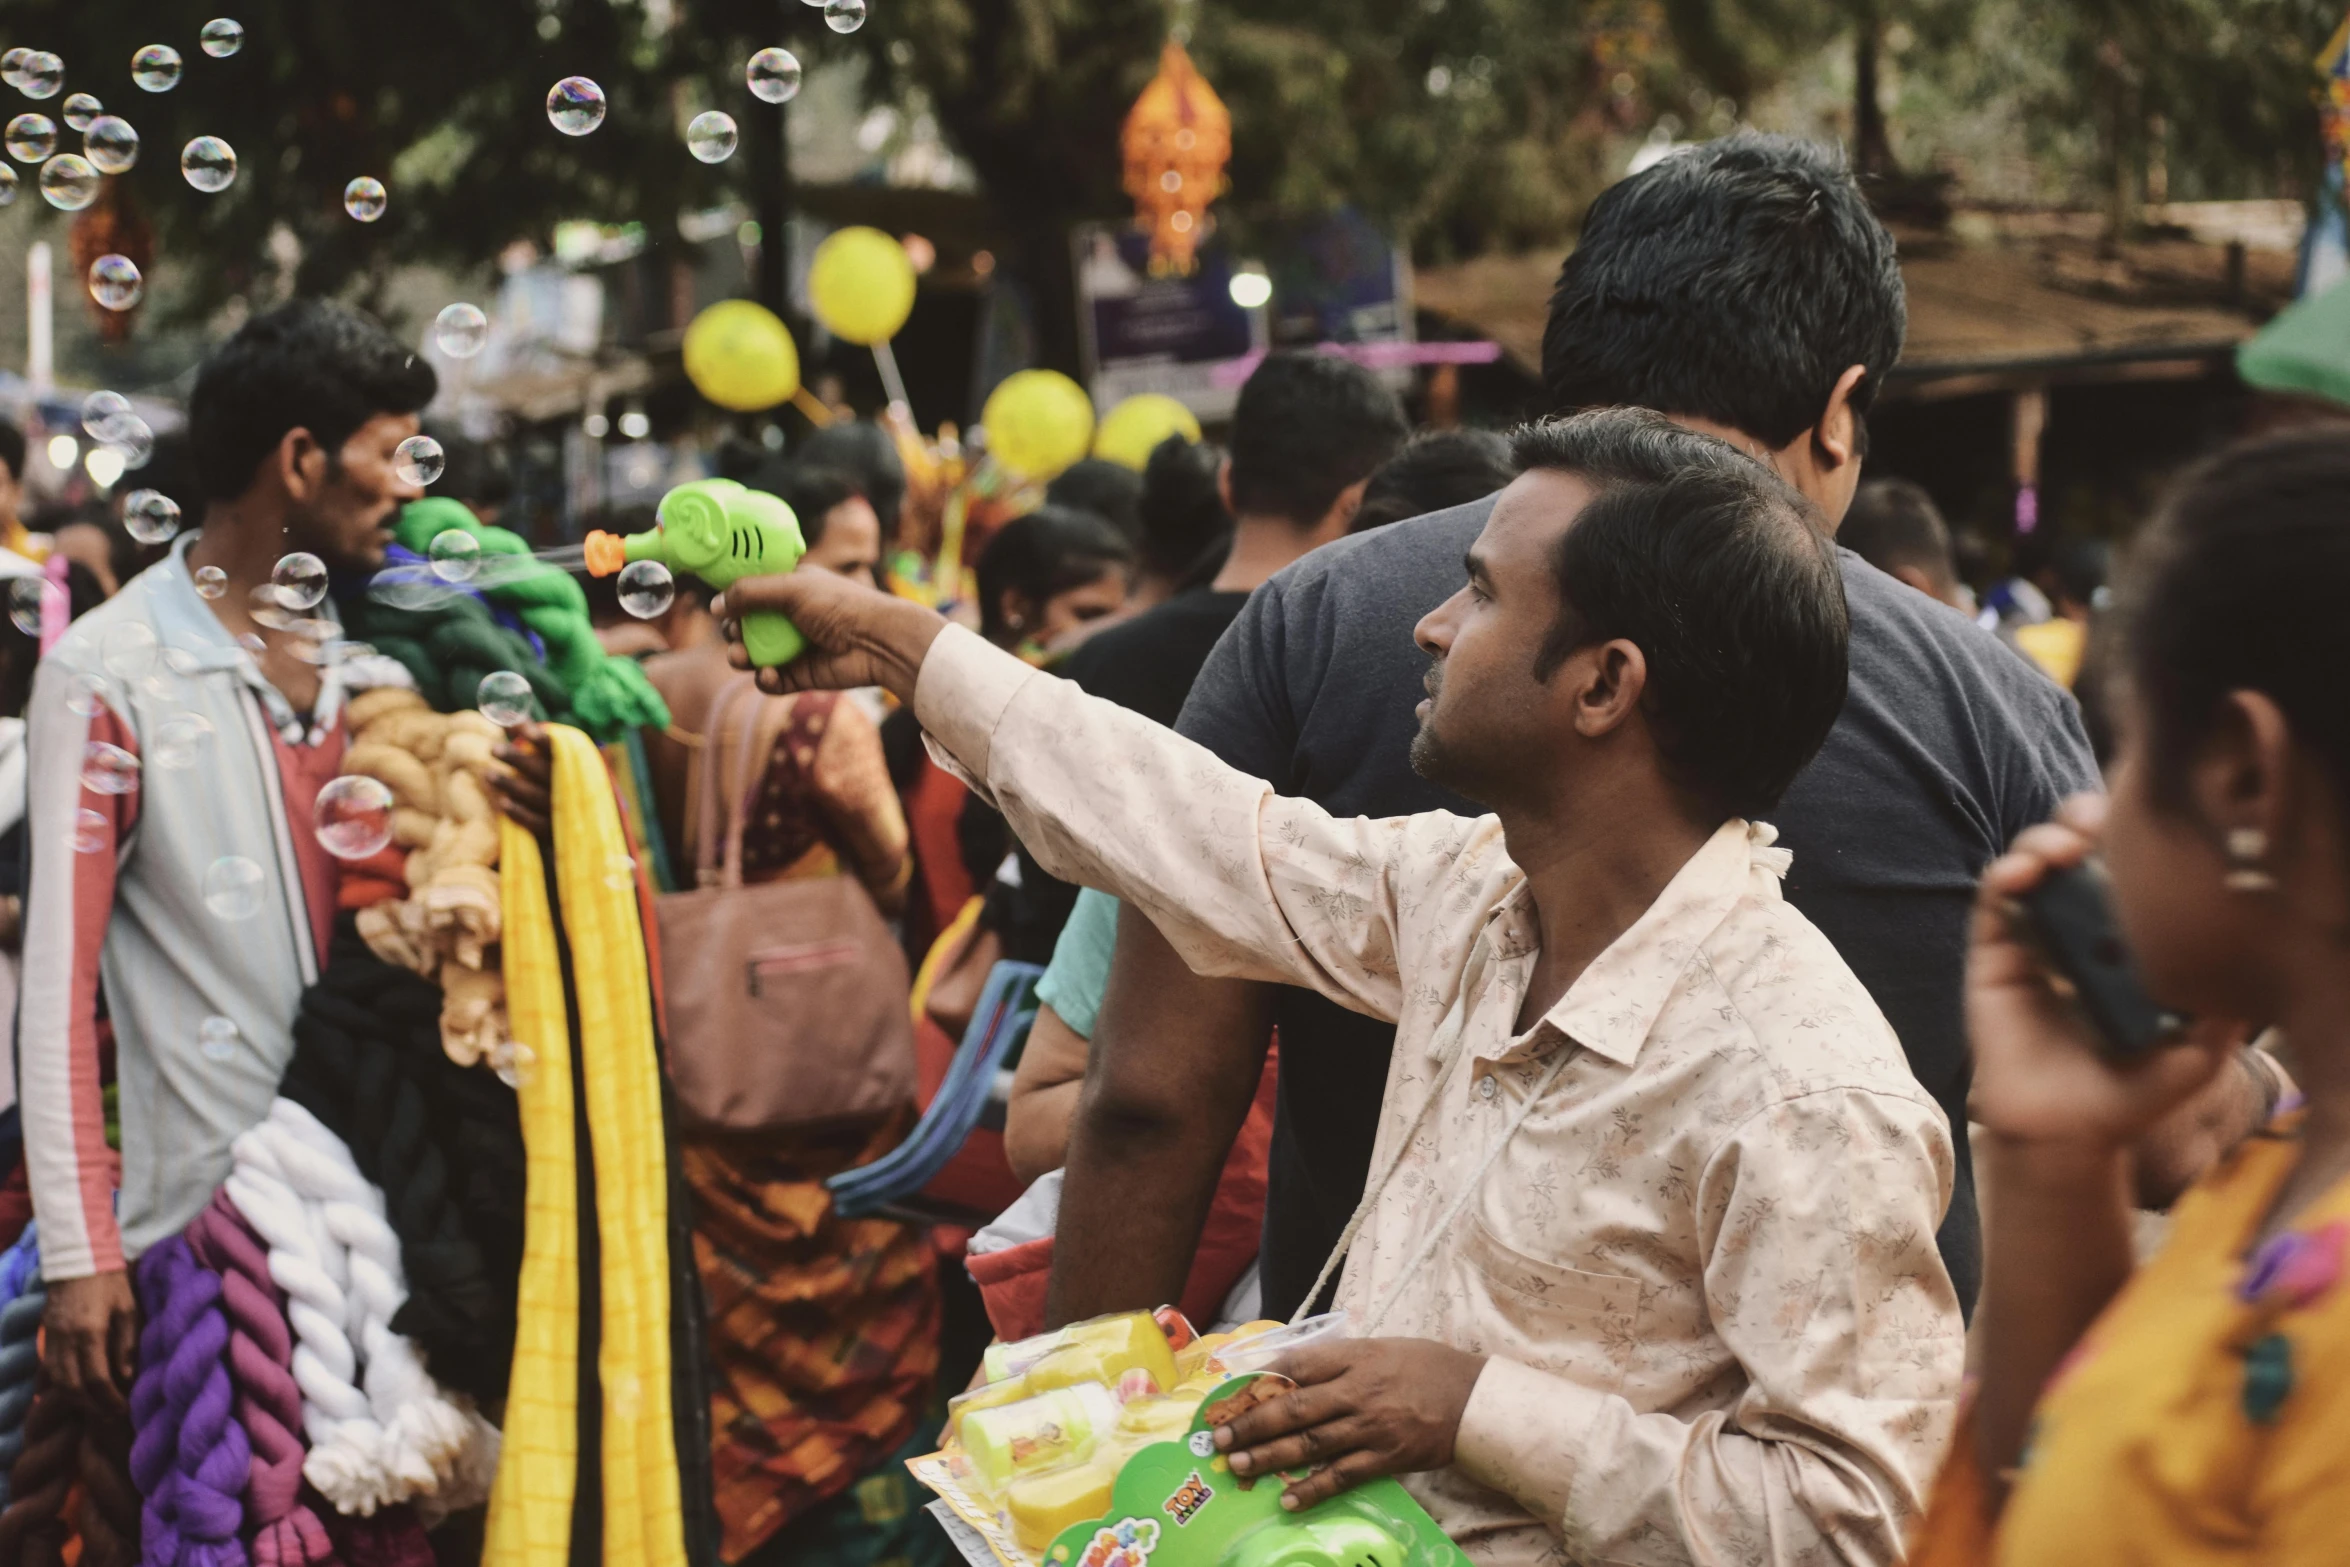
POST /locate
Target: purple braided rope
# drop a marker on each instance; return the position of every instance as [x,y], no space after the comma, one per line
[285,1532]
[190,1456]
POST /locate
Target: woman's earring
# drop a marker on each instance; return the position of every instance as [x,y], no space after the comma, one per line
[2247,847]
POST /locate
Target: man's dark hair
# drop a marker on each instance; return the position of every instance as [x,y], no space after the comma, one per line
[1893,522]
[12,449]
[1306,427]
[1722,576]
[865,452]
[1438,470]
[1110,490]
[1047,552]
[1734,282]
[1186,532]
[810,490]
[313,365]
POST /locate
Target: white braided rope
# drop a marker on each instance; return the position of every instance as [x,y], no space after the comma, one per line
[345,1460]
[406,1437]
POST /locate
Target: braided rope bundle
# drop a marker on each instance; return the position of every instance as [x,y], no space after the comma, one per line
[189,1456]
[20,1365]
[284,1531]
[381,1431]
[442,1143]
[34,1528]
[108,1518]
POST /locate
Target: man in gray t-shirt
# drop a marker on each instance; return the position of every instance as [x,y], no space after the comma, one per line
[1745,289]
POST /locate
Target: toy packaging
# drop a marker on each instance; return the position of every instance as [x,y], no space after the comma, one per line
[1093,1446]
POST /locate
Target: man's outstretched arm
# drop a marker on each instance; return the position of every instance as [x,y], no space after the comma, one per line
[1175,1063]
[1241,881]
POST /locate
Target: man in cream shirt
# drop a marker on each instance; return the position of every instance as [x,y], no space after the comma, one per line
[1645,1271]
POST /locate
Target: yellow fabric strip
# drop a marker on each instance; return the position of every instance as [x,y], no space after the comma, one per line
[644,1520]
[538,1463]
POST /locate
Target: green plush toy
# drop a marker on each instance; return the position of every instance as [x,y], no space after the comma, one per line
[602,695]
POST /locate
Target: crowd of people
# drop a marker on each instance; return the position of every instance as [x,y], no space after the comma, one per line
[1560,897]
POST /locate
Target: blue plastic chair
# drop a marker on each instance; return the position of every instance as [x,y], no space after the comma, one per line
[999,1024]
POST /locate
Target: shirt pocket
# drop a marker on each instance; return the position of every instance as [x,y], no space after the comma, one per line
[1581,1326]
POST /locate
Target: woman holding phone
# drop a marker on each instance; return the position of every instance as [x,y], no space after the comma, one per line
[2196,1410]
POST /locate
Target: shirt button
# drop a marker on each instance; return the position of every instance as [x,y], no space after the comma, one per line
[1487,1088]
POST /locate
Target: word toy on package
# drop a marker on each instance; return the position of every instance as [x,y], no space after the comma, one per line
[1093,1446]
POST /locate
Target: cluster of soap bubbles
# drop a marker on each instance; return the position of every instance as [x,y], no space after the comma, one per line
[576,105]
[108,419]
[110,144]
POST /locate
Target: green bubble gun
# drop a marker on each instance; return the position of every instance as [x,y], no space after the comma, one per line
[722,533]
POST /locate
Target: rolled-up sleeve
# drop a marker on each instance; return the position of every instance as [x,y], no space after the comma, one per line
[1241,881]
[1821,1277]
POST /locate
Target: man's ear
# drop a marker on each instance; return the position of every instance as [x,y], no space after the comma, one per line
[1611,676]
[300,464]
[1835,440]
[1341,515]
[1224,485]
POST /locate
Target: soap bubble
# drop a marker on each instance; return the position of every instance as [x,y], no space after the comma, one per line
[234,887]
[80,109]
[267,605]
[108,769]
[222,37]
[209,163]
[25,596]
[86,693]
[300,580]
[516,1068]
[364,198]
[251,643]
[774,75]
[68,183]
[12,64]
[156,68]
[131,438]
[575,105]
[504,698]
[111,144]
[353,817]
[217,1039]
[129,650]
[100,410]
[460,330]
[646,588]
[418,460]
[31,137]
[455,554]
[711,137]
[844,16]
[92,832]
[179,740]
[211,581]
[116,284]
[41,75]
[150,516]
[7,185]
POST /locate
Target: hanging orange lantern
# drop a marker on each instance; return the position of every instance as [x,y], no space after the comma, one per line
[1177,139]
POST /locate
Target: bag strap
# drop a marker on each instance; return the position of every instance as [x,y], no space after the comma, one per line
[750,771]
[708,856]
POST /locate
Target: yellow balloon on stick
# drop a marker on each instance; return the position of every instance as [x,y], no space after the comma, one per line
[861,285]
[740,356]
[1131,431]
[1038,423]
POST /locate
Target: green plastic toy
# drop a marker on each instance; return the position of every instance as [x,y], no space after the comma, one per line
[1178,1504]
[722,533]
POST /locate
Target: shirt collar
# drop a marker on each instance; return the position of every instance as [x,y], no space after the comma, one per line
[1615,1001]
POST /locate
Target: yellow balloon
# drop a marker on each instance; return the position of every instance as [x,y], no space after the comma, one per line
[740,356]
[861,285]
[1131,431]
[1038,422]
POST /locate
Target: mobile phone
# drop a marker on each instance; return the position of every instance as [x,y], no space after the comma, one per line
[2069,917]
